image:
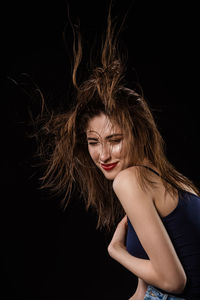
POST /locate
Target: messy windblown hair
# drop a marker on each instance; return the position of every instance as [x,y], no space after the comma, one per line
[68,162]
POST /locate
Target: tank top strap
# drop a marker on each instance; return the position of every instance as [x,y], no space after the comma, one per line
[155,172]
[152,170]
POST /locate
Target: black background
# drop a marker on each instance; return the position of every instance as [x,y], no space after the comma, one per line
[48,254]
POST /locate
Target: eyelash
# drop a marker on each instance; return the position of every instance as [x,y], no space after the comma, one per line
[92,143]
[111,141]
[115,141]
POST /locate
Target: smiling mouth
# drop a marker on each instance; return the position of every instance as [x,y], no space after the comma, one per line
[109,167]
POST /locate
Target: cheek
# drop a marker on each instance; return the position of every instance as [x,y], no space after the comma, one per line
[93,153]
[117,150]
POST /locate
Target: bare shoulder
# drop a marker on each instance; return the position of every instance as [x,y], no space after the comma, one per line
[126,185]
[125,178]
[128,189]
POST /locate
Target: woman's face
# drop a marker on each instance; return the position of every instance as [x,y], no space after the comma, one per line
[107,146]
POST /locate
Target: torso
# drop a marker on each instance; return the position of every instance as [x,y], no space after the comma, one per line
[179,212]
[164,201]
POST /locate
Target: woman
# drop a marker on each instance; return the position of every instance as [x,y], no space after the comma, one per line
[109,146]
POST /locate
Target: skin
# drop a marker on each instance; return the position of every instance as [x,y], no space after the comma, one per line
[107,145]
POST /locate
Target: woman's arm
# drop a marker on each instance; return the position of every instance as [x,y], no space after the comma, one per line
[163,269]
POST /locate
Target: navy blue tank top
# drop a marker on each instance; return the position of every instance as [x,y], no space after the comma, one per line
[183,227]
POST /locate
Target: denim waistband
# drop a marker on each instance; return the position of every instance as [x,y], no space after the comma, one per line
[153,294]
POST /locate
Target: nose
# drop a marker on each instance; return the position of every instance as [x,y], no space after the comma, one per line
[105,153]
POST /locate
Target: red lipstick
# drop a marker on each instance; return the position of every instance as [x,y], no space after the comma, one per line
[109,167]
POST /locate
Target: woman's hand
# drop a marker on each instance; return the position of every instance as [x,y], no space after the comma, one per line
[118,240]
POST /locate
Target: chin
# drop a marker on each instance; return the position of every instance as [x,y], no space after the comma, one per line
[110,175]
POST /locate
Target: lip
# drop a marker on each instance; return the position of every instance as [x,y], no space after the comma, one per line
[109,167]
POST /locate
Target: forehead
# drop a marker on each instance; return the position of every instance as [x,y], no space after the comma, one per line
[102,125]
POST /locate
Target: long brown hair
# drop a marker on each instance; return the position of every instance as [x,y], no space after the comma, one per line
[68,161]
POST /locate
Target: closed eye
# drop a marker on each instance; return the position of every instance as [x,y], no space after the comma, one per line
[115,141]
[93,143]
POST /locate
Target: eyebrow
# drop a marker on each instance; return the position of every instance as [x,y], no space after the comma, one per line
[107,137]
